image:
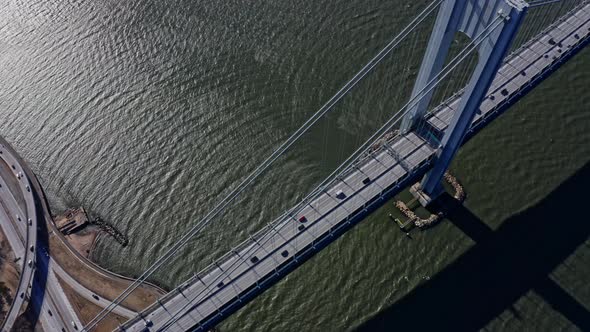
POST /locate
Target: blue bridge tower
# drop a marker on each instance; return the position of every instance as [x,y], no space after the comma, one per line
[496,21]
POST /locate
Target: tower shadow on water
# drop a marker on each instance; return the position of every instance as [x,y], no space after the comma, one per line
[501,267]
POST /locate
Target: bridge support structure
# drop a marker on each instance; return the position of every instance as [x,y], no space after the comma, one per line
[492,25]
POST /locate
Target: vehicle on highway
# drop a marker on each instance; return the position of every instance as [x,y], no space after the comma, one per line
[302,219]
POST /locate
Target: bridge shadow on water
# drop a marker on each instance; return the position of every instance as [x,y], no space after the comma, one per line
[500,268]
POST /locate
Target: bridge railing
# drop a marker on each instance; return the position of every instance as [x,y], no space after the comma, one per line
[530,84]
[290,214]
[367,155]
[380,146]
[546,29]
[254,239]
[540,16]
[446,102]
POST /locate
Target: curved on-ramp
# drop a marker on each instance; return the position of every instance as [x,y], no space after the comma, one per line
[21,228]
[28,251]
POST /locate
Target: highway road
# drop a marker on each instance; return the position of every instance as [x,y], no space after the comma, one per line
[56,270]
[18,246]
[18,241]
[56,313]
[87,293]
[199,298]
[53,302]
[253,266]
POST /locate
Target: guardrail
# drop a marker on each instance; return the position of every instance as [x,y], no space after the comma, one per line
[344,173]
[260,234]
[25,260]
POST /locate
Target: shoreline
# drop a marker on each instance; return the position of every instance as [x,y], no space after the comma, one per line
[104,284]
[55,230]
[84,249]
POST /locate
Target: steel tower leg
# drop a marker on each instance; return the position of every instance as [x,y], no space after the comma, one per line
[474,18]
[444,30]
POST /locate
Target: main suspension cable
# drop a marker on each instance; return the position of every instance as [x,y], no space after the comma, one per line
[264,165]
[475,42]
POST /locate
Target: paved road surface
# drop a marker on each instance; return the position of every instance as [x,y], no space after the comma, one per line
[242,273]
[18,241]
[20,228]
[56,313]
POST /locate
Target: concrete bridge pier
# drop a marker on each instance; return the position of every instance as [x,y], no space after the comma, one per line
[497,22]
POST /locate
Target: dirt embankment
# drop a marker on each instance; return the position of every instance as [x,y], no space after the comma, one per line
[103,285]
[80,238]
[9,276]
[71,257]
[87,311]
[77,230]
[73,226]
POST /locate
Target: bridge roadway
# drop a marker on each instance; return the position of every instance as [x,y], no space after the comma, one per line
[258,263]
[522,69]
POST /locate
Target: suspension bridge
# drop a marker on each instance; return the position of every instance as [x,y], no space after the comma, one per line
[517,44]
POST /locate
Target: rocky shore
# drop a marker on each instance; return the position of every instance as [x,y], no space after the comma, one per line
[459,195]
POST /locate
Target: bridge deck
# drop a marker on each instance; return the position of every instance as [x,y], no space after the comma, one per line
[264,255]
[276,250]
[522,67]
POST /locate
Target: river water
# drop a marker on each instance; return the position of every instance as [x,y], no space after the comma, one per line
[146,112]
